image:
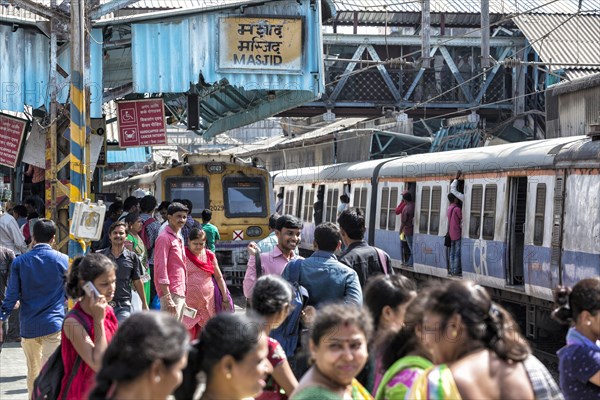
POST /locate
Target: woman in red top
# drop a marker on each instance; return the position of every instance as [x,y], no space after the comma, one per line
[271,299]
[201,266]
[88,330]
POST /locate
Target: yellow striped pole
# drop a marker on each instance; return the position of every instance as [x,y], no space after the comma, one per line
[78,110]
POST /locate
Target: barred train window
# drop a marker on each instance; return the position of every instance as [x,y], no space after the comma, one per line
[332,203]
[359,199]
[424,215]
[309,200]
[436,204]
[387,216]
[489,212]
[289,202]
[475,214]
[540,211]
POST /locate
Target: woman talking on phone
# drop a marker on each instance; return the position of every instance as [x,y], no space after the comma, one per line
[90,326]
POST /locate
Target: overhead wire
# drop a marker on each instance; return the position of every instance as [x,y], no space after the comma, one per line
[451,113]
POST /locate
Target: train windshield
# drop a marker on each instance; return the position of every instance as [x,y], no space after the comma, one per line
[193,189]
[245,197]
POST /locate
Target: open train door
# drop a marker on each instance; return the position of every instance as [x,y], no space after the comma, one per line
[517,203]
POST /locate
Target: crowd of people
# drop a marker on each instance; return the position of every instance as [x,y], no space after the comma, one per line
[339,324]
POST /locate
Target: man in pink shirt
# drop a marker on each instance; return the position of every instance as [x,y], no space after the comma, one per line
[287,230]
[455,232]
[169,262]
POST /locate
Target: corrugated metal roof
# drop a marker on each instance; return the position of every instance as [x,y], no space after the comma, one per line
[456,13]
[564,39]
[25,70]
[230,98]
[172,4]
[128,155]
[339,125]
[468,6]
[258,145]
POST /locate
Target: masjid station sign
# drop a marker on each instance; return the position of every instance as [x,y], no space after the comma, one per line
[260,43]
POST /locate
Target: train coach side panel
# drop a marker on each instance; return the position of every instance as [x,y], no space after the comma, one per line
[539,277]
[581,228]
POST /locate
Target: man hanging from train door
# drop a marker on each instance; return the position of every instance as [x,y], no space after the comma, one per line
[454,212]
[406,224]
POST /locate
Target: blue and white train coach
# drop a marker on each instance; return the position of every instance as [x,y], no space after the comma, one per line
[531,215]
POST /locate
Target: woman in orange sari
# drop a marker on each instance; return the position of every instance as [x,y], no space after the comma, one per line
[203,273]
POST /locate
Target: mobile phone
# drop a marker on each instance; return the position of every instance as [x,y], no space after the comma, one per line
[189,312]
[90,290]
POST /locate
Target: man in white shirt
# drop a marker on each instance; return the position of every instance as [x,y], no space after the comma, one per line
[10,234]
[454,187]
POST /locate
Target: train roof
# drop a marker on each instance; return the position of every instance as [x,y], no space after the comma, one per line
[583,154]
[515,156]
[281,177]
[146,178]
[355,170]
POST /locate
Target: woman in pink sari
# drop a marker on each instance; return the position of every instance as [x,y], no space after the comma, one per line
[202,274]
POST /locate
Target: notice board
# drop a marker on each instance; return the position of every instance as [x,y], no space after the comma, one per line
[12,132]
[141,123]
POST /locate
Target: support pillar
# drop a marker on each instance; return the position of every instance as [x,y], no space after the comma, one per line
[425,33]
[485,33]
[77,189]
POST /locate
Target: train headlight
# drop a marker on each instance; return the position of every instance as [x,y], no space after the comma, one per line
[254,231]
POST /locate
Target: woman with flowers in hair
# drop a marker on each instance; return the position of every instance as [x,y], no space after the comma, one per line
[479,350]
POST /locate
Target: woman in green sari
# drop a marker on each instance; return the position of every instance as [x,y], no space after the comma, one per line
[338,348]
[404,357]
[135,243]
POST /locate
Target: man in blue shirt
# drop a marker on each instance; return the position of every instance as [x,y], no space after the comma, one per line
[37,280]
[325,278]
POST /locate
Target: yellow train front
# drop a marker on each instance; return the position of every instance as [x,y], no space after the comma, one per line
[240,197]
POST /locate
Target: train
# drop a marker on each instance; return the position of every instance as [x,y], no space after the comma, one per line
[239,195]
[531,215]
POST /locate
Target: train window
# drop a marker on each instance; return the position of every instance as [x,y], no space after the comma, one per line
[359,199]
[309,199]
[289,202]
[436,204]
[194,189]
[424,215]
[475,214]
[244,197]
[299,202]
[540,208]
[392,209]
[385,200]
[489,212]
[387,216]
[332,203]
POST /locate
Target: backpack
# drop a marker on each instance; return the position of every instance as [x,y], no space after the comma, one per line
[384,265]
[48,383]
[144,233]
[288,333]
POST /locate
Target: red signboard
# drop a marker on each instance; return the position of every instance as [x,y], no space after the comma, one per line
[141,123]
[12,131]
